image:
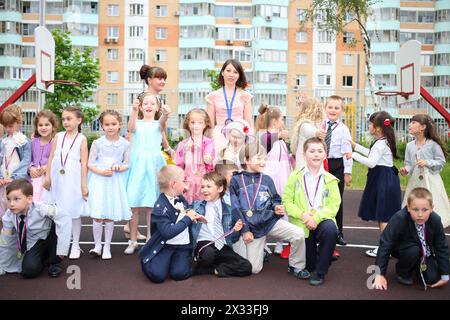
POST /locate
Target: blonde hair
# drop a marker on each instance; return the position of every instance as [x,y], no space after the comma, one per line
[419,193]
[336,98]
[167,174]
[11,114]
[312,111]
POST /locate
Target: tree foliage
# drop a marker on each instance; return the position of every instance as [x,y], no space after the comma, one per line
[73,65]
[214,76]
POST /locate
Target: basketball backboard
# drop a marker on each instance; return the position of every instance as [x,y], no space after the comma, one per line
[44,58]
[408,71]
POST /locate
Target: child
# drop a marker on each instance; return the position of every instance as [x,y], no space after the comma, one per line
[108,201]
[15,151]
[256,202]
[382,195]
[236,133]
[66,175]
[45,127]
[169,251]
[416,237]
[424,159]
[29,237]
[147,122]
[212,246]
[312,198]
[339,151]
[195,154]
[278,165]
[226,170]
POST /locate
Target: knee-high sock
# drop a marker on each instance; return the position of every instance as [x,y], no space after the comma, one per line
[109,230]
[97,230]
[76,230]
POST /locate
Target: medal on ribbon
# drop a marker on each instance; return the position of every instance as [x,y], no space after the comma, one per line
[229,106]
[423,267]
[63,164]
[311,204]
[19,255]
[249,212]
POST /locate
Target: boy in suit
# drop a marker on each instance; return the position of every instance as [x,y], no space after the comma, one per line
[213,241]
[416,237]
[169,250]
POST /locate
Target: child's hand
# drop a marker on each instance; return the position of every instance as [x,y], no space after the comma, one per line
[118,168]
[136,104]
[107,173]
[201,218]
[165,109]
[47,183]
[403,171]
[84,192]
[34,172]
[311,224]
[247,237]
[348,155]
[440,283]
[279,210]
[283,134]
[306,217]
[380,283]
[238,225]
[207,159]
[421,163]
[347,179]
[321,134]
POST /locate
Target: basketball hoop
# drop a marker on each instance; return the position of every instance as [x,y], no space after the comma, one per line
[405,95]
[48,83]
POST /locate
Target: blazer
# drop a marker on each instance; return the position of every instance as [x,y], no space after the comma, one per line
[24,152]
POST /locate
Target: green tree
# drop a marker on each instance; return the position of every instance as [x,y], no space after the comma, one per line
[214,76]
[334,17]
[76,66]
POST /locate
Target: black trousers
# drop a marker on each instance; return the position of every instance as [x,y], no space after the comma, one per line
[227,262]
[336,168]
[408,260]
[42,253]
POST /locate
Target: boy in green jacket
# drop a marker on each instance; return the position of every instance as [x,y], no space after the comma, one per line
[312,199]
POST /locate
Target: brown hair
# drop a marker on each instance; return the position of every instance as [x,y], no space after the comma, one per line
[248,151]
[168,174]
[218,180]
[110,112]
[152,72]
[385,122]
[430,130]
[52,118]
[242,81]
[158,113]
[266,115]
[334,97]
[20,184]
[222,167]
[78,113]
[420,193]
[314,140]
[205,115]
[11,114]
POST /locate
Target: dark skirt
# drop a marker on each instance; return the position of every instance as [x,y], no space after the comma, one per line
[382,195]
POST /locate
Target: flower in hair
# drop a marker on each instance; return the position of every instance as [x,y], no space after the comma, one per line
[246,129]
[387,122]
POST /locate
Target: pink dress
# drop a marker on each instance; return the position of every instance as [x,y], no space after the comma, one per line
[191,160]
[216,99]
[39,158]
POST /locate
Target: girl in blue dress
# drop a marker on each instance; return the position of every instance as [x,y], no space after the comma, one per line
[108,166]
[147,123]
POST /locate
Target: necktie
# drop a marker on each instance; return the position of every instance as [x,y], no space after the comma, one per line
[218,229]
[22,234]
[421,234]
[328,136]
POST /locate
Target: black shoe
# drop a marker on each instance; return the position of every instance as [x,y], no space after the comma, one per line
[54,270]
[405,281]
[316,280]
[301,274]
[340,240]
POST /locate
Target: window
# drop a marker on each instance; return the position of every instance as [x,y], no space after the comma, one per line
[324,79]
[161,33]
[425,17]
[349,37]
[161,11]
[243,34]
[347,81]
[301,58]
[223,11]
[136,9]
[426,60]
[112,76]
[135,54]
[348,16]
[300,80]
[113,54]
[301,37]
[242,12]
[112,99]
[161,55]
[325,36]
[134,76]
[112,32]
[348,59]
[272,55]
[301,14]
[136,31]
[27,52]
[324,58]
[243,56]
[113,10]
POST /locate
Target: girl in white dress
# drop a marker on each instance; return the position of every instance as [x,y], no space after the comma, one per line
[66,176]
[424,160]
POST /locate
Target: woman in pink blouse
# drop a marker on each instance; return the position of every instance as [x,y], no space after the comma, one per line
[231,102]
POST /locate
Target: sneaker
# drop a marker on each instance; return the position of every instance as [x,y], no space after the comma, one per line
[407,281]
[75,253]
[132,246]
[266,256]
[336,255]
[96,252]
[286,252]
[340,240]
[372,252]
[106,253]
[316,280]
[301,274]
[267,249]
[278,248]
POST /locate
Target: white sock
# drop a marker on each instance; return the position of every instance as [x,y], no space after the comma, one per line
[109,230]
[76,230]
[97,230]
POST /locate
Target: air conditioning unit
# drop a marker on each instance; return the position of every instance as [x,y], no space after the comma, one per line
[295,88]
[237,20]
[176,13]
[107,40]
[229,42]
[115,40]
[247,44]
[268,18]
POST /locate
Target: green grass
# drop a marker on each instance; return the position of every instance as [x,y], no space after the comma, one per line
[360,176]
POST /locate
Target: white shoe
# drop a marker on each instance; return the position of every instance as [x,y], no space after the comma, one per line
[97,251]
[75,253]
[278,248]
[132,246]
[139,235]
[372,252]
[106,253]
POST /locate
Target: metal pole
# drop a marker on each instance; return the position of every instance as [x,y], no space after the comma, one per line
[41,95]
